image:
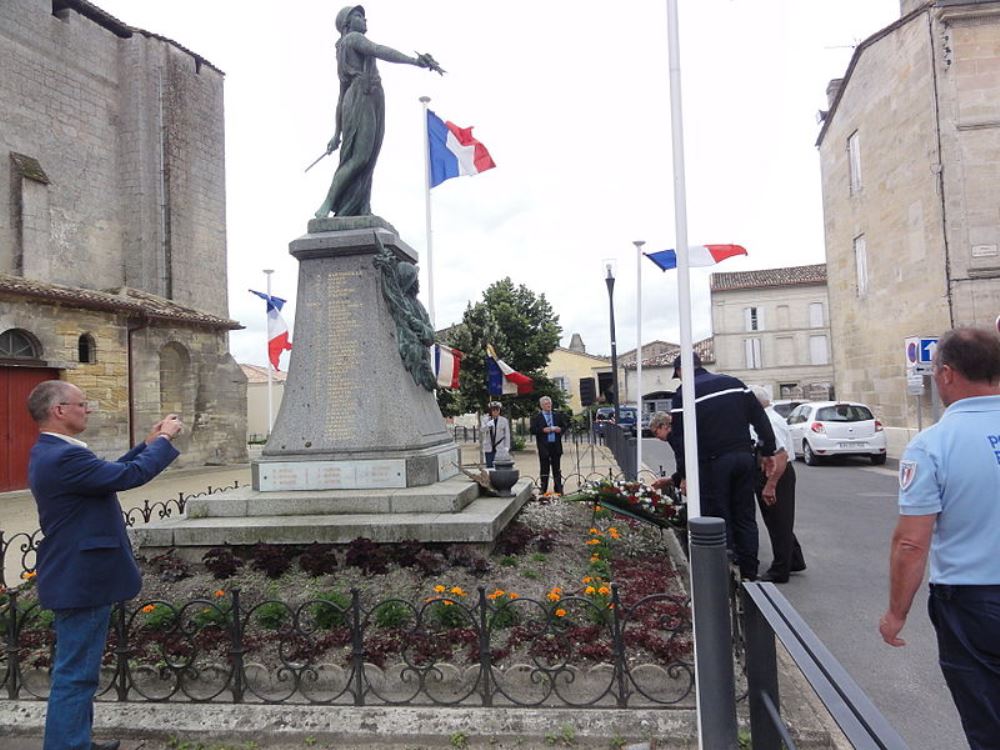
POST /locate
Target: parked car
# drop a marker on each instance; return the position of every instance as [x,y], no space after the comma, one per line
[836,428]
[606,414]
[785,406]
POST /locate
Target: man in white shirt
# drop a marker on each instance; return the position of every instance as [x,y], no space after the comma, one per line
[776,499]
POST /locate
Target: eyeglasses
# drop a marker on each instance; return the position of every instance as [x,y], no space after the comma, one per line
[82,404]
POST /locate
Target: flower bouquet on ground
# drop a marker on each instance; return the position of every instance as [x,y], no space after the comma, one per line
[663,508]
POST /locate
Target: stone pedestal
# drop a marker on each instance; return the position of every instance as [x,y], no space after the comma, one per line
[358,448]
[351,416]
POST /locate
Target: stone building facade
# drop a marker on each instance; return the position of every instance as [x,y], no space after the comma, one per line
[568,365]
[112,226]
[772,328]
[909,150]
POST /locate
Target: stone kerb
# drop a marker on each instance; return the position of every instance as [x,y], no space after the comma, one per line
[351,416]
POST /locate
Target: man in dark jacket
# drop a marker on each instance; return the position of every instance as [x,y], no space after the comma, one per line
[725,409]
[85,562]
[547,426]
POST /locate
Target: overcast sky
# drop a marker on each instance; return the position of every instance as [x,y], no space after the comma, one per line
[571,97]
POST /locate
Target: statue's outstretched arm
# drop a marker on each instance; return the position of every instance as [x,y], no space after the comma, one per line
[367,47]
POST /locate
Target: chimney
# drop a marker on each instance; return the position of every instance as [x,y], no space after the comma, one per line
[832,89]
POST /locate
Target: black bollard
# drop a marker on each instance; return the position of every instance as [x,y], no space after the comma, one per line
[713,634]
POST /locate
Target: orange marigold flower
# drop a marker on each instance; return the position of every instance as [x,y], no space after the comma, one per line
[594,531]
[593,541]
[149,608]
[439,589]
[219,593]
[589,591]
[457,591]
[552,596]
[595,557]
[604,590]
[512,595]
[495,595]
[28,575]
[560,612]
[587,579]
[448,602]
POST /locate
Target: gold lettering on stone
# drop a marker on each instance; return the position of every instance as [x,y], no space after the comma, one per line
[341,379]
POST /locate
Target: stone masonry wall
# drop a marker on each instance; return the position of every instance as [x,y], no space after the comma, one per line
[889,101]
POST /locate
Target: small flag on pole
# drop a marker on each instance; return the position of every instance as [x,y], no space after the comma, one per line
[447,362]
[277,329]
[698,255]
[454,151]
[502,379]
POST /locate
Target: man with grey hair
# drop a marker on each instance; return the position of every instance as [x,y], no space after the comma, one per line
[85,562]
[775,492]
[547,426]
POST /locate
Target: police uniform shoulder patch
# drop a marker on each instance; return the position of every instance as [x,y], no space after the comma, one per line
[907,473]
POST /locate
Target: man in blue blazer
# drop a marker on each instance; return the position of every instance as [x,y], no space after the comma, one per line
[85,562]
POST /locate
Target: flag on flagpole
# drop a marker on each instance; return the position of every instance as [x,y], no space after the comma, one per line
[502,379]
[277,329]
[454,151]
[447,362]
[698,255]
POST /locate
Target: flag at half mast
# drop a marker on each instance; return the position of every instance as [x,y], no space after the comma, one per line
[698,255]
[504,380]
[277,329]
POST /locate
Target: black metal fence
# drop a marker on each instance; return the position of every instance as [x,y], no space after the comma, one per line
[575,652]
[768,614]
[622,445]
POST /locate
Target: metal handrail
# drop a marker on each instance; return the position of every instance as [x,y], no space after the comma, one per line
[766,614]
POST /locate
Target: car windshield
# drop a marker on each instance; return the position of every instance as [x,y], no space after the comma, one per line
[844,413]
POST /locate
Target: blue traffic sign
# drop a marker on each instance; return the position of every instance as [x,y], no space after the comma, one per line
[926,353]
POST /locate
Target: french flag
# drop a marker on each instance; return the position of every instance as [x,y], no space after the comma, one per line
[277,329]
[447,362]
[454,151]
[504,380]
[698,255]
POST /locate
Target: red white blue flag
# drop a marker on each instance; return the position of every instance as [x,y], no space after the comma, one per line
[277,329]
[454,151]
[447,363]
[698,255]
[502,379]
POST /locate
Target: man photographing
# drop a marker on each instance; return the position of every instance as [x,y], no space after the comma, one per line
[85,562]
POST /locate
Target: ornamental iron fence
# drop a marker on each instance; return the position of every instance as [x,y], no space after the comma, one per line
[576,652]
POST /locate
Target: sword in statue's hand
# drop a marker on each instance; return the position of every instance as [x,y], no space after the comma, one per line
[321,157]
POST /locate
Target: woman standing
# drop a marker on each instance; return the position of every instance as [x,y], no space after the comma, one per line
[360,121]
[495,436]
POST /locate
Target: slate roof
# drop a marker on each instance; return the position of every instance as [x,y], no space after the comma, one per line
[125,300]
[769,277]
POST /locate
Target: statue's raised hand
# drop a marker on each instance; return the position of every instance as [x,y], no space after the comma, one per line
[334,143]
[426,60]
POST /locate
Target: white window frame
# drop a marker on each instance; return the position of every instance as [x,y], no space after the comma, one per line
[751,353]
[861,264]
[819,356]
[817,315]
[753,318]
[854,161]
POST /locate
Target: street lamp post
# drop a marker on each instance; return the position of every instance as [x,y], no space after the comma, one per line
[610,281]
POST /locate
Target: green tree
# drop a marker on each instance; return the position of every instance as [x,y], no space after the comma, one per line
[523,329]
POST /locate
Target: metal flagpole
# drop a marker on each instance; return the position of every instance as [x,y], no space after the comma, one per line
[715,696]
[425,100]
[270,383]
[638,355]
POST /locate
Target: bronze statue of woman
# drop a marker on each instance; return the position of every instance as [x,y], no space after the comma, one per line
[360,113]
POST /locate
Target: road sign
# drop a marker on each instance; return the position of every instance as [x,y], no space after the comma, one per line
[920,352]
[914,383]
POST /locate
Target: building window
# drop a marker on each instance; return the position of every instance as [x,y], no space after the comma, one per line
[854,157]
[817,351]
[86,349]
[751,348]
[18,344]
[753,319]
[861,264]
[562,383]
[784,317]
[815,314]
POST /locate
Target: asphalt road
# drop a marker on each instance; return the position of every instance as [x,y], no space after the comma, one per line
[845,514]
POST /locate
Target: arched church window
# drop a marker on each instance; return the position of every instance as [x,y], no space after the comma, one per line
[87,349]
[19,344]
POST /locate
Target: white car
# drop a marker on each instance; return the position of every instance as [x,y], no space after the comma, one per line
[836,428]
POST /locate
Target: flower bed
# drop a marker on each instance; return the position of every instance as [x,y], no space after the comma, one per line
[574,607]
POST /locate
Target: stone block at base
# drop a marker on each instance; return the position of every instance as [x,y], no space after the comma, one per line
[479,522]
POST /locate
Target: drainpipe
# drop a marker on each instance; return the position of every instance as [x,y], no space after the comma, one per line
[939,177]
[131,327]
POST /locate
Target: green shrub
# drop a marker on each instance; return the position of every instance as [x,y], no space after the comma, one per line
[272,615]
[392,614]
[332,610]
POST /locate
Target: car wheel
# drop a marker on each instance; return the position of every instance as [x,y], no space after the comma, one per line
[878,459]
[807,454]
